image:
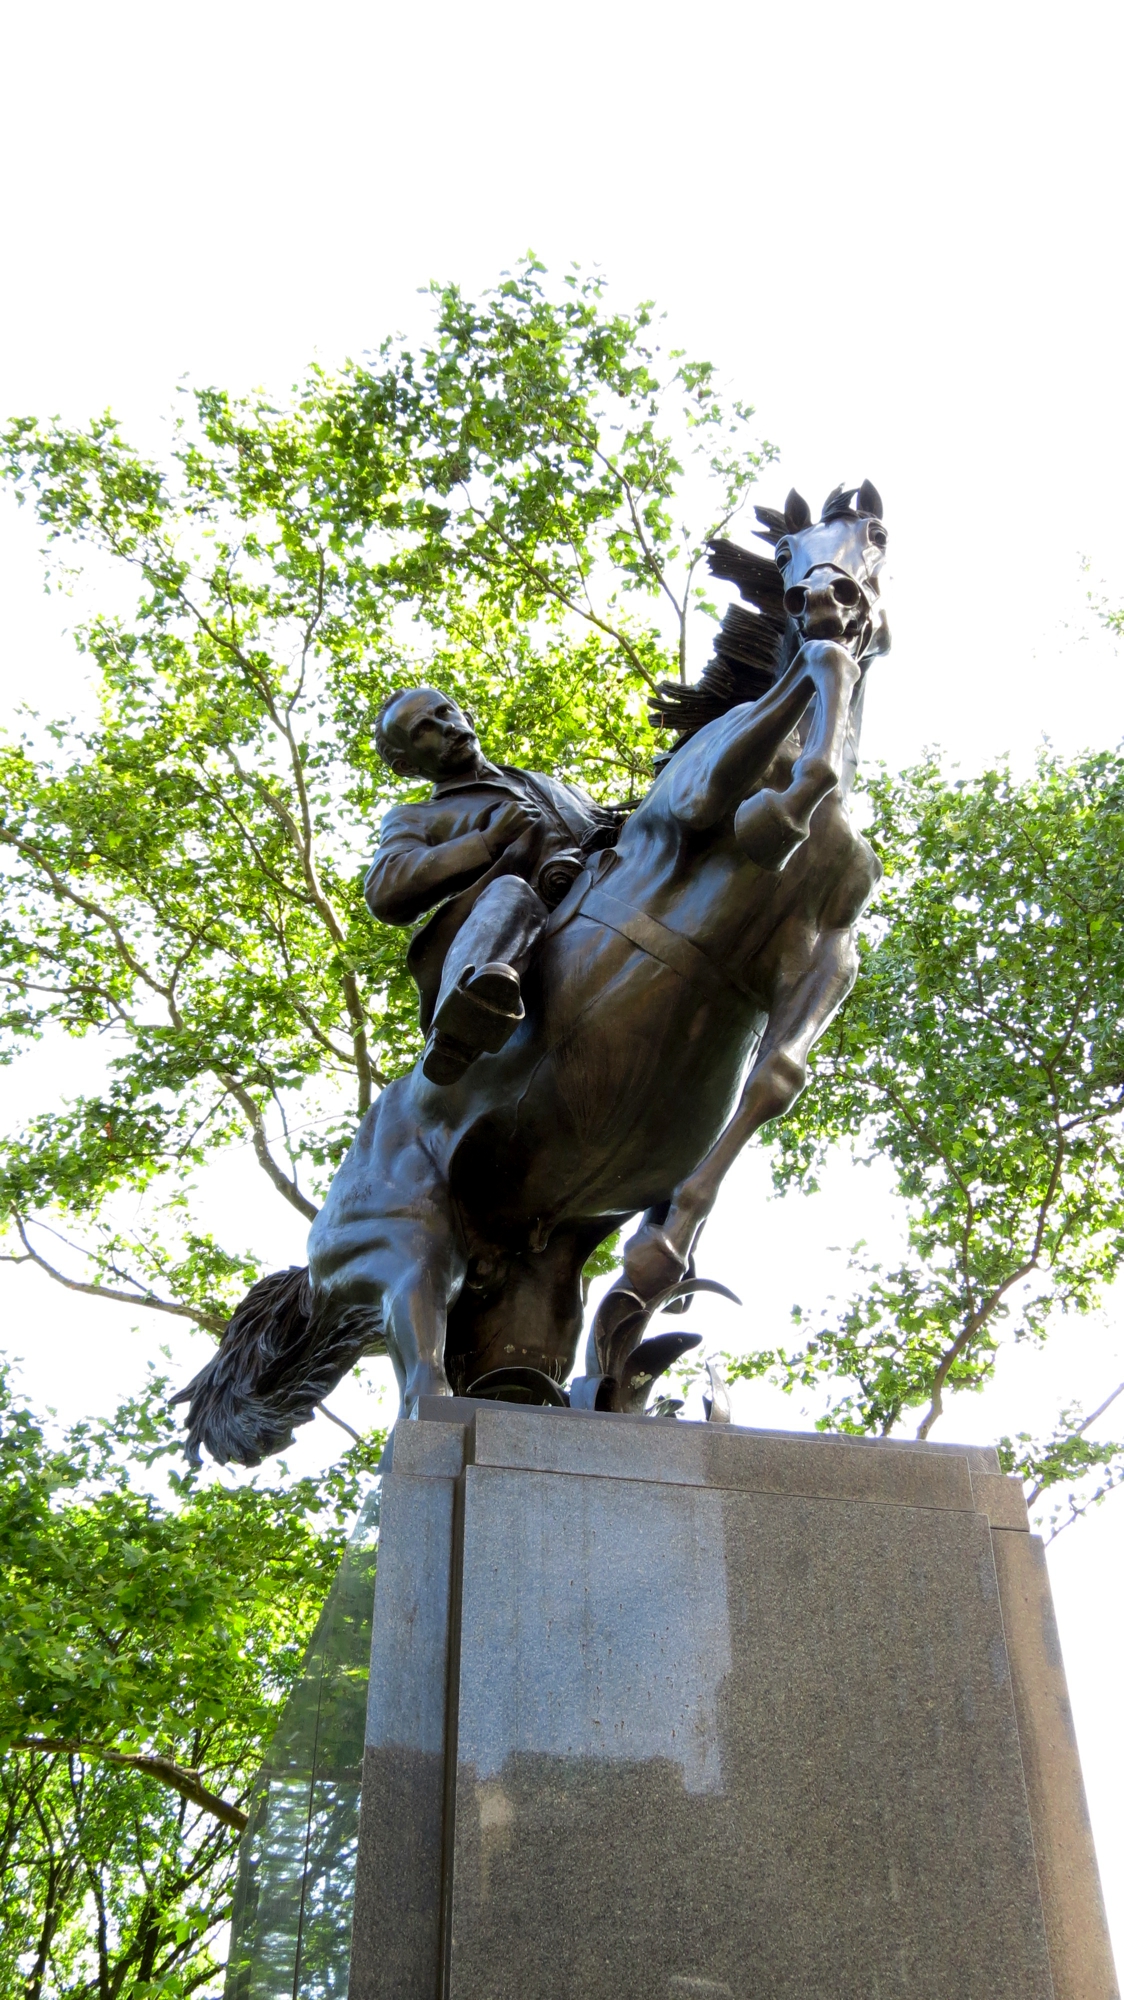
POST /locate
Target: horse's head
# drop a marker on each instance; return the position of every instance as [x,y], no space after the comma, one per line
[822,585]
[830,569]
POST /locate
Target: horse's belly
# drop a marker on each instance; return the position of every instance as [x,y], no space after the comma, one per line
[640,1071]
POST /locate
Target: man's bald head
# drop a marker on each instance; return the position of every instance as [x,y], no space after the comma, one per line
[422,733]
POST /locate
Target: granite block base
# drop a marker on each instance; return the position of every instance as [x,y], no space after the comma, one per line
[662,1710]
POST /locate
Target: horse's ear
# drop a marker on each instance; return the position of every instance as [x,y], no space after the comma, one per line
[797,513]
[870,499]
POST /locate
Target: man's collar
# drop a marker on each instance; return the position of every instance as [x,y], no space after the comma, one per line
[492,774]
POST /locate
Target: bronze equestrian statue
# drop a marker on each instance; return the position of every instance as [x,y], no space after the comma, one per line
[661,1014]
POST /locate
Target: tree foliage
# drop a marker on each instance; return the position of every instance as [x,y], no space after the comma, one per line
[982,1054]
[148,1641]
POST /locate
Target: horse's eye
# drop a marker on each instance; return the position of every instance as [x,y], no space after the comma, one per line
[784,554]
[878,537]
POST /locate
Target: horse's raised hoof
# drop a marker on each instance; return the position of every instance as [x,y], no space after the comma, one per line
[428,1378]
[651,1262]
[766,832]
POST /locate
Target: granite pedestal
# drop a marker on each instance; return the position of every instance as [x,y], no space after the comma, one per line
[661,1710]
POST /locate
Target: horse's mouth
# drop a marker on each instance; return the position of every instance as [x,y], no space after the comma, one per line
[825,626]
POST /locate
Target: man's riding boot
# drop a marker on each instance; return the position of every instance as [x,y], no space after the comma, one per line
[480,1014]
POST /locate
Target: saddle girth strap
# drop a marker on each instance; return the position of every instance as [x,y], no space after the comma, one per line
[670,947]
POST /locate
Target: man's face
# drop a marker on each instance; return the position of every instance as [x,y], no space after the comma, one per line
[430,736]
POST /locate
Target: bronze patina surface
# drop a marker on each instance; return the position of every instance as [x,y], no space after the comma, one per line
[595,1057]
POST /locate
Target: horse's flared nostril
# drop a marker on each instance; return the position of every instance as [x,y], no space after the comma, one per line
[820,611]
[846,591]
[795,600]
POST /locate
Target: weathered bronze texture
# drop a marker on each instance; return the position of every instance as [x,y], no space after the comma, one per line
[497,849]
[660,1014]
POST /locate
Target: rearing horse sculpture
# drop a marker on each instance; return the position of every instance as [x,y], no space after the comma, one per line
[678,993]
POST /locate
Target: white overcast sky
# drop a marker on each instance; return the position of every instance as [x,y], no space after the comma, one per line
[895,229]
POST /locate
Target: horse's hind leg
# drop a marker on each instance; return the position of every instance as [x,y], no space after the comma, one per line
[416,1299]
[409,1276]
[387,1240]
[659,1254]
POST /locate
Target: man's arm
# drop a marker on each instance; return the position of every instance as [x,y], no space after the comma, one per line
[606,821]
[408,877]
[591,826]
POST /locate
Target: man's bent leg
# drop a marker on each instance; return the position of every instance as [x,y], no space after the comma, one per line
[479,1005]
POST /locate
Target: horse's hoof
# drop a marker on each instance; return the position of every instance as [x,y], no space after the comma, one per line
[427,1379]
[651,1263]
[766,832]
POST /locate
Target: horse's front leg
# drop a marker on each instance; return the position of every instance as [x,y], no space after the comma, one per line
[658,1255]
[769,826]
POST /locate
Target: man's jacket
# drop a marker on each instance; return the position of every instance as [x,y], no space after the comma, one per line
[434,852]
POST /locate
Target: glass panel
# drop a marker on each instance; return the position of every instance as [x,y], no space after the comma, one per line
[291,1923]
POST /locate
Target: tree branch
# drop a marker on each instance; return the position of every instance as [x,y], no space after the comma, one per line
[265,1159]
[344,1056]
[210,1321]
[1037,1491]
[651,559]
[333,1419]
[553,589]
[938,1153]
[301,836]
[62,889]
[964,1339]
[984,1312]
[187,1783]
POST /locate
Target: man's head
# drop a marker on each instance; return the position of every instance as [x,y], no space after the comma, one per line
[421,733]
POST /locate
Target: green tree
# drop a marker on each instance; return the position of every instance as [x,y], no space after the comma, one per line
[499,511]
[147,1645]
[982,1054]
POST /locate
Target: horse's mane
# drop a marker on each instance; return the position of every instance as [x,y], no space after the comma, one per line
[749,642]
[753,646]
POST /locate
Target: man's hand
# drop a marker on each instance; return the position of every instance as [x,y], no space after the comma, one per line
[509,824]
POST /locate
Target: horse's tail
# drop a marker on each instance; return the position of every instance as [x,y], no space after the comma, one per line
[277,1358]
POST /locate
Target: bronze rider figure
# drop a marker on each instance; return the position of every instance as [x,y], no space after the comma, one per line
[493,850]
